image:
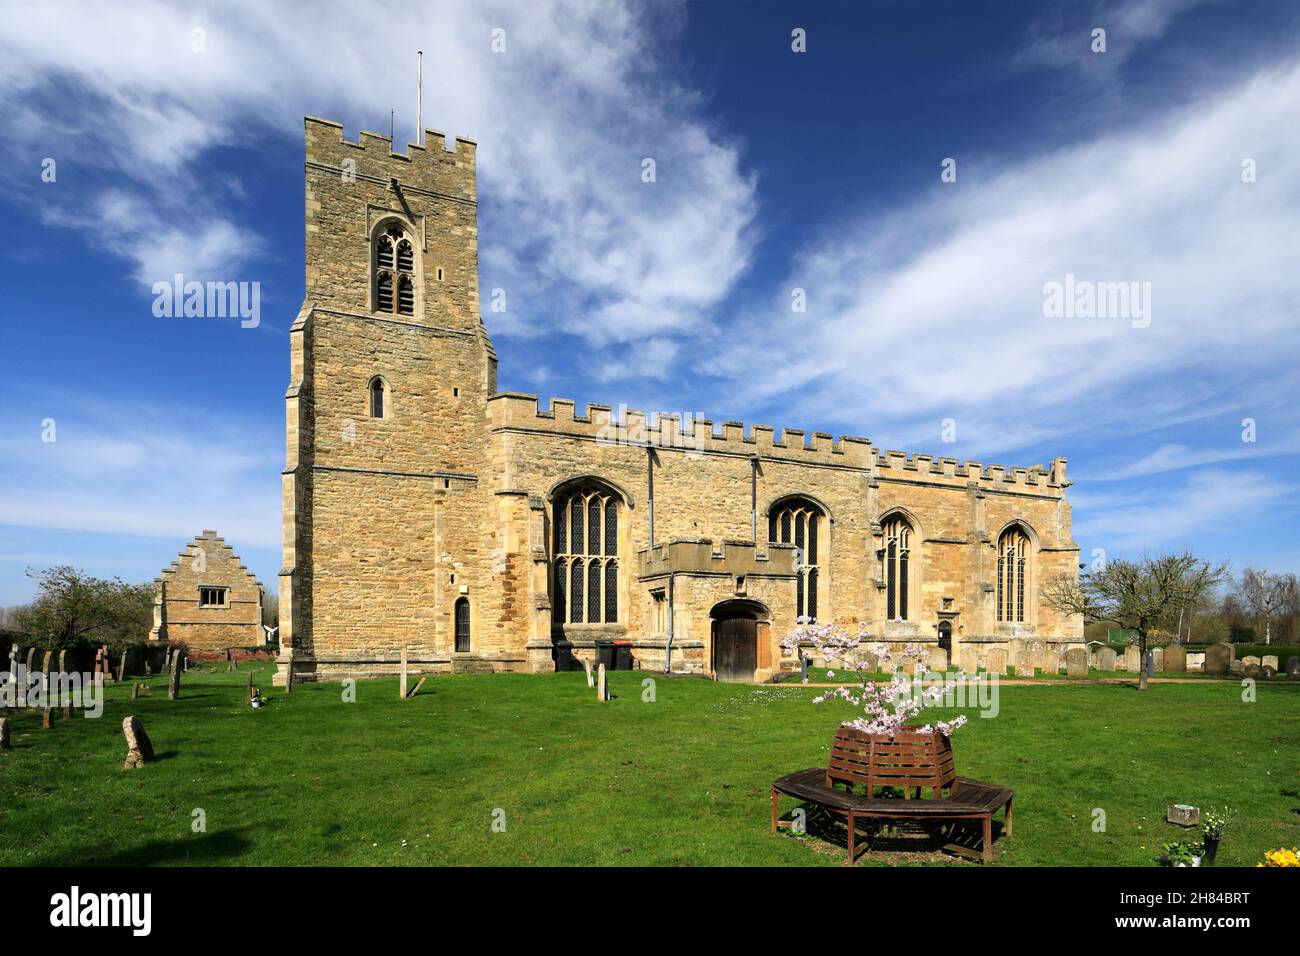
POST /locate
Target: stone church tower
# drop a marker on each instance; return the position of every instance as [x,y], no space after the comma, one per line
[426,512]
[390,372]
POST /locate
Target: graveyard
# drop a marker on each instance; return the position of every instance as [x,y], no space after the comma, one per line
[535,770]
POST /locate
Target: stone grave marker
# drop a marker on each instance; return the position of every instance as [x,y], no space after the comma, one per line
[1249,670]
[1266,672]
[1218,658]
[1293,666]
[1237,667]
[31,659]
[1025,663]
[997,661]
[174,679]
[586,665]
[1076,662]
[1250,659]
[4,733]
[968,659]
[602,689]
[1047,660]
[938,659]
[1106,658]
[250,685]
[1269,660]
[135,690]
[139,748]
[1175,659]
[402,689]
[418,684]
[1158,655]
[1132,659]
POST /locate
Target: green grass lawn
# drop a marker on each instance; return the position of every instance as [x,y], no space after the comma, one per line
[683,780]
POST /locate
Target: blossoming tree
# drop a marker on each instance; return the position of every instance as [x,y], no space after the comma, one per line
[888,708]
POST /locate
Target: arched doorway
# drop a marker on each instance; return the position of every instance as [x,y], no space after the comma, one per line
[945,637]
[736,626]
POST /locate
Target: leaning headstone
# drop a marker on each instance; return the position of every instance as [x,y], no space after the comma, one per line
[4,733]
[1132,659]
[1293,666]
[968,659]
[586,666]
[1218,658]
[1268,660]
[996,662]
[1106,658]
[139,749]
[1175,659]
[121,665]
[938,659]
[602,689]
[174,680]
[418,684]
[1076,662]
[31,659]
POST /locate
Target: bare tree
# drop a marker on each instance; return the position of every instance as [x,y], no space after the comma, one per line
[1137,595]
[1265,594]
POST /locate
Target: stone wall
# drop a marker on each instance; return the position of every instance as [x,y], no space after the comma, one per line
[178,616]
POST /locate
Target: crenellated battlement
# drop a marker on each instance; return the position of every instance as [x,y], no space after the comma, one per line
[669,430]
[432,166]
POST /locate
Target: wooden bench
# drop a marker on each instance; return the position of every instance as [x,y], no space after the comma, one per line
[910,761]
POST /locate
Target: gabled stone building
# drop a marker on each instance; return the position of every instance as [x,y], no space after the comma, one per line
[208,599]
[426,510]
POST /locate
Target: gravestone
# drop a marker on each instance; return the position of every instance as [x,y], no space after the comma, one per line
[1132,659]
[1175,659]
[1293,666]
[48,665]
[1249,670]
[31,659]
[602,689]
[1025,663]
[4,733]
[250,685]
[1106,658]
[997,661]
[968,659]
[1266,672]
[174,680]
[1237,667]
[1093,661]
[135,690]
[1250,659]
[938,659]
[1045,659]
[418,684]
[63,662]
[1195,661]
[139,749]
[1158,656]
[1218,658]
[121,665]
[870,662]
[402,689]
[1076,662]
[1269,660]
[586,665]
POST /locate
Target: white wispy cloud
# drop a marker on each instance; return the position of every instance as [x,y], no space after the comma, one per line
[582,94]
[937,309]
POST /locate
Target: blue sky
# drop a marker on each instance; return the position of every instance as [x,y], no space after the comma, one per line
[178,151]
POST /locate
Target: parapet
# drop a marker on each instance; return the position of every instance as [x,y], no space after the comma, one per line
[704,556]
[1036,478]
[668,430]
[430,166]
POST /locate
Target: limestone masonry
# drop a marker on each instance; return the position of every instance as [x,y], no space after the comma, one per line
[478,530]
[207,599]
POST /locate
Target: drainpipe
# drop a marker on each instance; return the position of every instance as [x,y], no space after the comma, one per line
[668,646]
[650,489]
[753,498]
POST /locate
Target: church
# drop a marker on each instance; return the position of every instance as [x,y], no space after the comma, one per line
[431,515]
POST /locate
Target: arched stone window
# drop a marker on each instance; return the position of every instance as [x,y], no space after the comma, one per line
[394,271]
[897,570]
[462,626]
[1014,570]
[378,398]
[586,556]
[802,523]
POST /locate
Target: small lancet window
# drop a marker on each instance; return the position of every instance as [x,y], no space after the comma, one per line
[377,398]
